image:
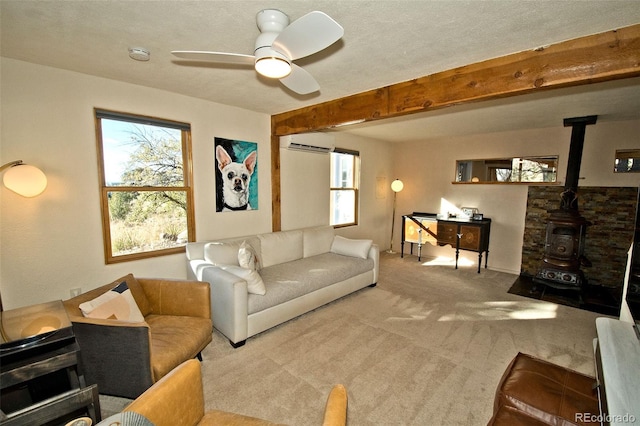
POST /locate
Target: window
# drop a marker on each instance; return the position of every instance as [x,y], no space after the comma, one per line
[508,170]
[344,187]
[145,185]
[627,161]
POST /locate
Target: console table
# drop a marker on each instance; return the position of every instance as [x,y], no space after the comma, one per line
[617,355]
[461,234]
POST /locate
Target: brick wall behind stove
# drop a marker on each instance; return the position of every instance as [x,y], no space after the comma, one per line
[611,211]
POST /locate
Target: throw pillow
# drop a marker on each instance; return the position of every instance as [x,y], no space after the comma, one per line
[117,303]
[255,285]
[218,253]
[125,418]
[350,247]
[138,293]
[247,257]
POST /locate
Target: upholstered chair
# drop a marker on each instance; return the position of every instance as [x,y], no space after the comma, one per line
[125,357]
[178,399]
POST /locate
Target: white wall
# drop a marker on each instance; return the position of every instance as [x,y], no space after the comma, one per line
[53,243]
[304,188]
[428,168]
[305,179]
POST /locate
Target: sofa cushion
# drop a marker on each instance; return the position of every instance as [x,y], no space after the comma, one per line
[317,240]
[280,247]
[221,253]
[287,281]
[350,247]
[174,339]
[225,252]
[117,303]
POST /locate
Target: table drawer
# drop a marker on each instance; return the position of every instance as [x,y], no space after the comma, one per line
[447,233]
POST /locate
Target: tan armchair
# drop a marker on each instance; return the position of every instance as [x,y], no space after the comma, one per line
[178,399]
[126,358]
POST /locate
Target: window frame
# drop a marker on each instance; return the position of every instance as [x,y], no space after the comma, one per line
[355,189]
[187,188]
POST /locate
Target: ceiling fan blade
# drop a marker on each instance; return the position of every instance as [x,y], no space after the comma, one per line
[227,58]
[300,81]
[307,35]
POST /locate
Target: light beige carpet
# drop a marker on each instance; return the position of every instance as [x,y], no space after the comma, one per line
[427,346]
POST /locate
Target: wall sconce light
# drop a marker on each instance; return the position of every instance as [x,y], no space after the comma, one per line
[396,186]
[23,179]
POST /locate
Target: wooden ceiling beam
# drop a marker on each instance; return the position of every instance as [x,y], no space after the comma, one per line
[596,58]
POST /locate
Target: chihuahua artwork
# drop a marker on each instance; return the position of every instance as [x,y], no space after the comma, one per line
[236,177]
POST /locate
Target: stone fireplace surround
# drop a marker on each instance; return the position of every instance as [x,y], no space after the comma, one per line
[611,211]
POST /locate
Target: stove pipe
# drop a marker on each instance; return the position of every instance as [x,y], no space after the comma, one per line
[569,198]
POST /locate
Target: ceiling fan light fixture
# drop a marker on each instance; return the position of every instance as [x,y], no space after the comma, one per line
[273,67]
[279,44]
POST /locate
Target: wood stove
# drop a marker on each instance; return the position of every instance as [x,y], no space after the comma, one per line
[566,228]
[564,251]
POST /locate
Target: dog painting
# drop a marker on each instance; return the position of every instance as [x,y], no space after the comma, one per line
[236,175]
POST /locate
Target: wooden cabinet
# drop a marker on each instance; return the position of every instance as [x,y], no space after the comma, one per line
[461,234]
[471,235]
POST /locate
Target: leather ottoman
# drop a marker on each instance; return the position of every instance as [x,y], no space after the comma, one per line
[514,417]
[533,391]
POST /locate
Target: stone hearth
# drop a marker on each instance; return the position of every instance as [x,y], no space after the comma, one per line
[611,211]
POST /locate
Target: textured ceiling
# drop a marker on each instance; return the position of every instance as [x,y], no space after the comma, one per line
[385,42]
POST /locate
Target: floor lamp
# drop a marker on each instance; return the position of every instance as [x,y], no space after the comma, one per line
[396,186]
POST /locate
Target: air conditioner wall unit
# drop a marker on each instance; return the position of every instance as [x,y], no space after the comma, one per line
[310,142]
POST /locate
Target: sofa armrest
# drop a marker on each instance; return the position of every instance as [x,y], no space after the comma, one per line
[178,297]
[115,355]
[195,250]
[176,399]
[229,303]
[374,253]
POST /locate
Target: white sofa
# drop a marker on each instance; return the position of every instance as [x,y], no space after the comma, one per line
[301,271]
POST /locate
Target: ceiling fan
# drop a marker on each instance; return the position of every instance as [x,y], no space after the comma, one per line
[278,45]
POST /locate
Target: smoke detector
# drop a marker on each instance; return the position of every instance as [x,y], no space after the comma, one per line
[139,53]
